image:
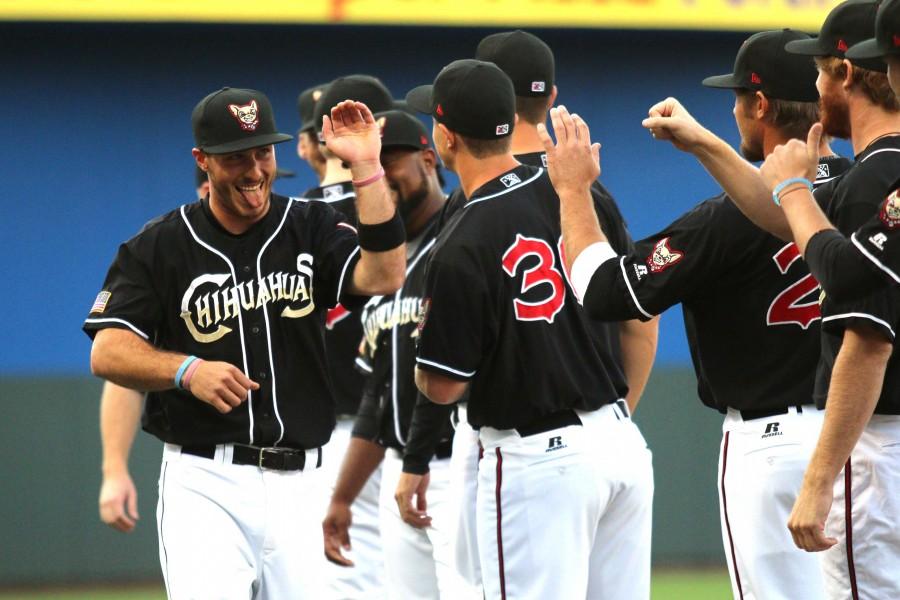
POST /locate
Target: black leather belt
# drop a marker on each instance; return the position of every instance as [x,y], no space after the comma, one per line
[276,459]
[749,415]
[562,418]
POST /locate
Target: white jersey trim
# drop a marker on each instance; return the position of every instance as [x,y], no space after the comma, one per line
[266,319]
[865,252]
[631,290]
[587,263]
[879,152]
[240,312]
[123,322]
[507,190]
[363,365]
[852,315]
[343,196]
[438,365]
[340,289]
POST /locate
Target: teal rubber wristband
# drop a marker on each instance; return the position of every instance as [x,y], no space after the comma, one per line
[780,187]
[180,372]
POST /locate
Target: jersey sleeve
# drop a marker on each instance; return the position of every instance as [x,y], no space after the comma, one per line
[365,425]
[879,310]
[452,326]
[427,428]
[336,255]
[128,299]
[878,240]
[662,270]
[839,267]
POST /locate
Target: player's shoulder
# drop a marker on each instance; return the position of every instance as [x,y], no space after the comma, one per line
[167,223]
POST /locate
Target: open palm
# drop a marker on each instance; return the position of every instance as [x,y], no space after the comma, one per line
[352,133]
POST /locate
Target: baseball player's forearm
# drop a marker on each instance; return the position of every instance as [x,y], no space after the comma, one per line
[804,216]
[125,358]
[856,384]
[580,226]
[743,184]
[638,341]
[379,273]
[120,413]
[360,461]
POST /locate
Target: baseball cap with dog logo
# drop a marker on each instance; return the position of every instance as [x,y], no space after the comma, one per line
[847,24]
[887,34]
[232,120]
[471,97]
[762,64]
[524,57]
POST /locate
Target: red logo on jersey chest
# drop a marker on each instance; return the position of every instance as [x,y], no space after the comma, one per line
[663,256]
[890,211]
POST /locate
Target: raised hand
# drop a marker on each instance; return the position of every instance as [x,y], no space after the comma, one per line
[352,133]
[793,160]
[573,163]
[670,121]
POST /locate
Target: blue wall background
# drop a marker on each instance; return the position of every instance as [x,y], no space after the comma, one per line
[97,138]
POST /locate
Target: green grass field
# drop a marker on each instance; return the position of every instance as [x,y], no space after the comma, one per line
[667,585]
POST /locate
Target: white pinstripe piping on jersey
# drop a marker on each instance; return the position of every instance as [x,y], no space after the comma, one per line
[873,258]
[631,290]
[343,196]
[445,367]
[239,313]
[343,274]
[422,252]
[123,322]
[884,324]
[879,152]
[363,365]
[507,190]
[266,319]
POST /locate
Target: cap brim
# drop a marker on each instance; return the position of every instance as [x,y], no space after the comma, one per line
[865,49]
[419,99]
[810,47]
[247,143]
[725,82]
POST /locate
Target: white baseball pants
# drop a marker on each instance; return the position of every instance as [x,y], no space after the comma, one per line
[566,513]
[865,563]
[761,467]
[464,488]
[237,531]
[418,562]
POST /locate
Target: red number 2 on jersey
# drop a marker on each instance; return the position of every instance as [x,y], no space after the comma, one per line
[786,309]
[544,272]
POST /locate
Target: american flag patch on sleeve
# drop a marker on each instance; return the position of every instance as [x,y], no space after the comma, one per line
[101,301]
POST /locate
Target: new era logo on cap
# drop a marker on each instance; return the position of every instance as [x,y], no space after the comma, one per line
[503,129]
[842,45]
[538,86]
[896,40]
[439,111]
[755,78]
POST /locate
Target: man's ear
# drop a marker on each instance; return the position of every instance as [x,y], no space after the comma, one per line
[429,157]
[450,137]
[848,75]
[201,157]
[762,106]
[551,101]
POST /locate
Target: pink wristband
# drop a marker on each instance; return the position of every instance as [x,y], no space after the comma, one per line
[370,179]
[186,380]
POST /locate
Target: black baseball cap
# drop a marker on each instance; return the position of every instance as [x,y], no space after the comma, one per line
[471,97]
[361,88]
[233,119]
[401,129]
[887,34]
[762,64]
[306,105]
[524,57]
[847,24]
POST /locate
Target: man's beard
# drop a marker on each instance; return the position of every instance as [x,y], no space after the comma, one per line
[835,117]
[408,204]
[753,153]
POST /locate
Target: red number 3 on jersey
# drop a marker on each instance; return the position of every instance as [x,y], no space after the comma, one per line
[545,272]
[786,309]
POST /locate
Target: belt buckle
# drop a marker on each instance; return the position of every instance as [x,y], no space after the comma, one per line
[263,452]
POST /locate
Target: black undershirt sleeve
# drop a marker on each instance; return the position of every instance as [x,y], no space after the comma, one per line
[839,267]
[427,429]
[365,425]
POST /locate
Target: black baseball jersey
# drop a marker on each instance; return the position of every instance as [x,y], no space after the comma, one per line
[343,331]
[390,324]
[868,260]
[501,313]
[849,204]
[750,305]
[256,300]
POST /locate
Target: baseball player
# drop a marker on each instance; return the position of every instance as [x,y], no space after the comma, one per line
[417,560]
[343,332]
[120,413]
[217,309]
[849,268]
[749,306]
[856,374]
[502,322]
[307,141]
